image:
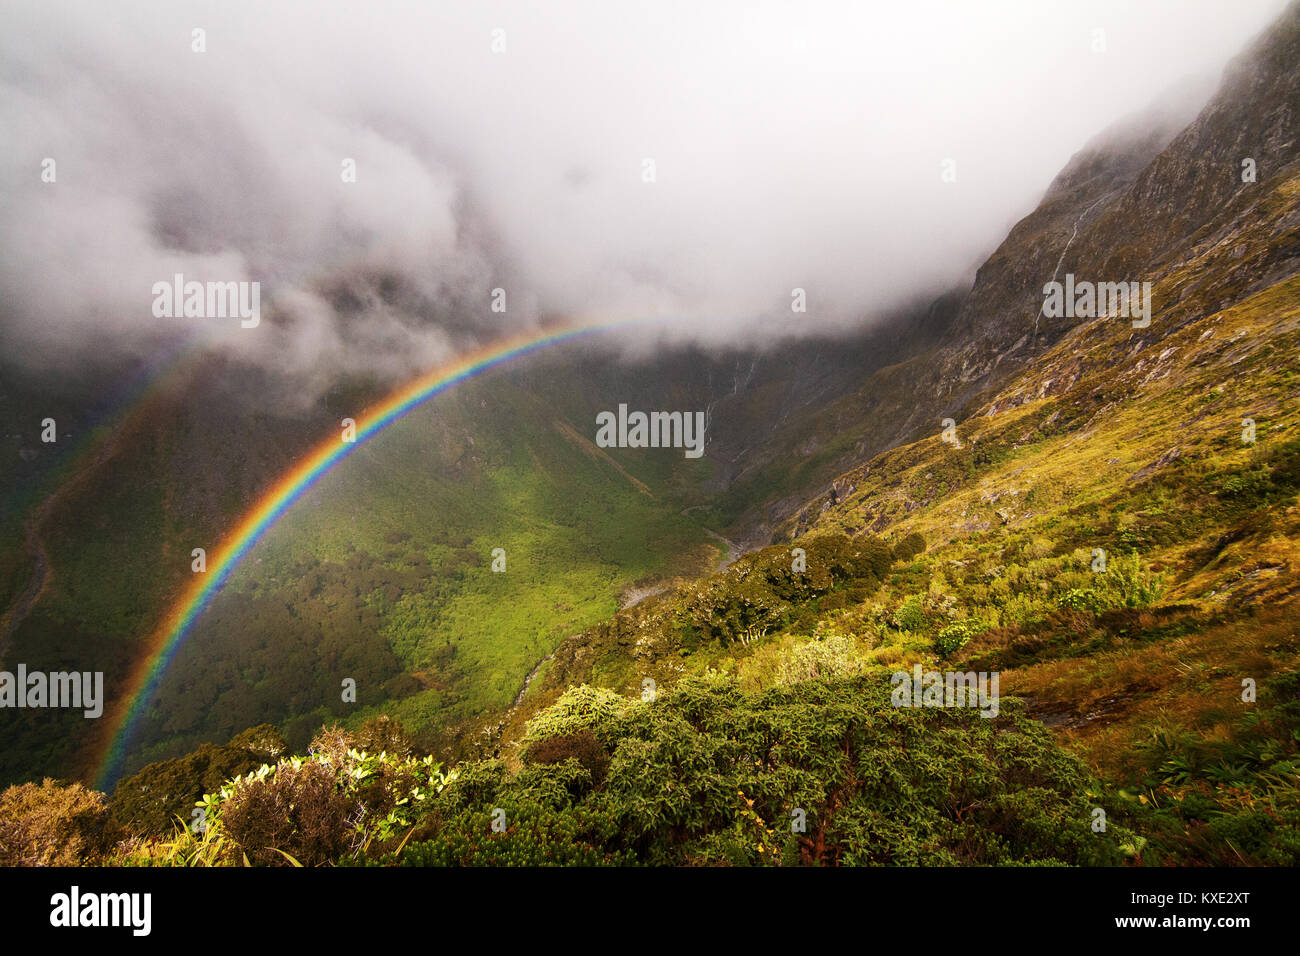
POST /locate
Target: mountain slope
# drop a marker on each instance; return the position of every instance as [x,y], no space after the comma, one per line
[1173,450]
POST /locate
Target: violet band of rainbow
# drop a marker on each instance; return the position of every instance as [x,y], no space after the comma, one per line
[168,639]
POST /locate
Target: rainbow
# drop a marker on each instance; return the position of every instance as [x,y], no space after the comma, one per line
[162,647]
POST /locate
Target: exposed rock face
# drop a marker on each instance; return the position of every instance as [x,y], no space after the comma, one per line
[1144,196]
[1149,470]
[1141,202]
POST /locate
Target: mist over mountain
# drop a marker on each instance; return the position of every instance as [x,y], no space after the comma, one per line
[497,147]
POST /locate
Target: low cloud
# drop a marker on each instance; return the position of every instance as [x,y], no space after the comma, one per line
[790,146]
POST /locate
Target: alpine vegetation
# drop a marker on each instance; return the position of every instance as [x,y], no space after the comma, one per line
[923,688]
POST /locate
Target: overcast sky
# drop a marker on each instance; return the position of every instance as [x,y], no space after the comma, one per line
[794,145]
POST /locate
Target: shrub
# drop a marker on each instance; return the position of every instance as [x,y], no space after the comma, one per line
[954,637]
[149,801]
[325,806]
[1124,584]
[53,825]
[731,604]
[707,774]
[533,836]
[473,784]
[1083,599]
[382,734]
[581,746]
[763,590]
[911,616]
[1255,483]
[712,774]
[775,565]
[577,709]
[909,547]
[260,741]
[1038,548]
[1132,586]
[300,810]
[866,558]
[552,785]
[835,601]
[835,655]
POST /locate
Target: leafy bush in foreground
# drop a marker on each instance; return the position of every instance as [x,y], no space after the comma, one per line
[709,774]
[150,800]
[319,809]
[823,771]
[582,747]
[532,836]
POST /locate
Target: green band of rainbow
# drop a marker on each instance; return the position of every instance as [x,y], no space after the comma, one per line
[167,640]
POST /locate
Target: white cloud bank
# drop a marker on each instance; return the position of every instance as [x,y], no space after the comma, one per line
[794,145]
